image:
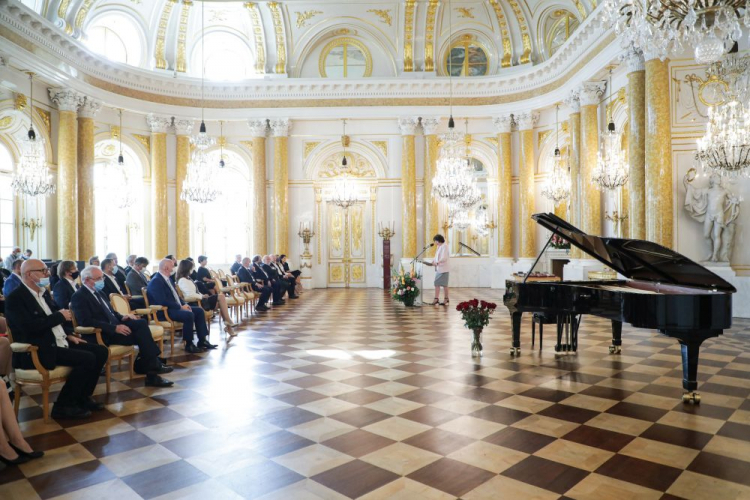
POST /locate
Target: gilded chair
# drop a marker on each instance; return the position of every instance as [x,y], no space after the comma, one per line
[209,315]
[116,352]
[122,306]
[38,376]
[167,323]
[234,303]
[245,291]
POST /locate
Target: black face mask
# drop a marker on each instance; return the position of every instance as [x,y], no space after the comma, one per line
[75,275]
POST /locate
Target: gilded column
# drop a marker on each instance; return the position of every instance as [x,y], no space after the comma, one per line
[183,129]
[86,214]
[408,188]
[159,214]
[503,126]
[280,130]
[658,147]
[636,143]
[574,162]
[591,199]
[67,101]
[431,207]
[527,227]
[258,129]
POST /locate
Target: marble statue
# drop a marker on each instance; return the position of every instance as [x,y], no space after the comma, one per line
[717,208]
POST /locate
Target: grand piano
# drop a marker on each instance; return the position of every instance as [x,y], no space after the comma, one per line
[665,291]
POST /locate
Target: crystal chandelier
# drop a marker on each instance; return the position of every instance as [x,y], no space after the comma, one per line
[344,191]
[200,185]
[612,171]
[32,177]
[557,187]
[461,220]
[725,148]
[666,28]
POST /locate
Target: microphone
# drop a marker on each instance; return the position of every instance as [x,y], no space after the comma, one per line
[428,246]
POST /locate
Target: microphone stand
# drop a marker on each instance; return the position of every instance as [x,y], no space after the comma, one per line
[421,290]
[479,274]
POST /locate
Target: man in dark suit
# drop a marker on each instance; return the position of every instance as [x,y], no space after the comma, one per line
[117,271]
[270,277]
[129,263]
[14,280]
[35,319]
[237,264]
[246,275]
[64,289]
[136,279]
[287,286]
[161,292]
[92,309]
[112,285]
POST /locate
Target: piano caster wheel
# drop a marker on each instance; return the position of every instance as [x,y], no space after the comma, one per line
[691,398]
[615,349]
[515,351]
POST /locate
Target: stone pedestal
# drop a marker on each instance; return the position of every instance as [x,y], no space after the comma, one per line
[578,269]
[741,299]
[502,269]
[305,267]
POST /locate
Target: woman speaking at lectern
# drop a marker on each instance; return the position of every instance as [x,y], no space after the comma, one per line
[442,266]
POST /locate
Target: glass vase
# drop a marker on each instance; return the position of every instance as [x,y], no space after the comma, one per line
[476,344]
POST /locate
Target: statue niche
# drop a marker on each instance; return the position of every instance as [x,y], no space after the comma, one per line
[717,208]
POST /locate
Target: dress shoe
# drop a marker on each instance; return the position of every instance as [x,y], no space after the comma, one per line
[164,369]
[294,296]
[64,412]
[157,381]
[192,348]
[20,459]
[33,454]
[92,405]
[205,344]
[279,302]
[230,331]
[262,308]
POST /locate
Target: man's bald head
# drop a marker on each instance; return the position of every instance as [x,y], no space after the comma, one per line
[165,266]
[246,261]
[32,271]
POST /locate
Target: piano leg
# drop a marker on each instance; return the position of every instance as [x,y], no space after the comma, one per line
[616,347]
[690,349]
[516,320]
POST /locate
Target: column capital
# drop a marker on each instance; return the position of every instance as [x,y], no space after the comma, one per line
[430,125]
[183,127]
[526,121]
[66,99]
[652,53]
[280,127]
[591,93]
[407,125]
[158,124]
[633,57]
[89,108]
[503,124]
[573,101]
[258,127]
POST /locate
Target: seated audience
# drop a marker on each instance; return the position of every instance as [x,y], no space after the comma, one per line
[66,286]
[14,280]
[27,254]
[94,261]
[263,272]
[287,281]
[237,264]
[53,277]
[129,265]
[10,259]
[208,302]
[93,309]
[35,319]
[204,275]
[285,264]
[136,279]
[174,267]
[162,292]
[117,271]
[112,285]
[246,274]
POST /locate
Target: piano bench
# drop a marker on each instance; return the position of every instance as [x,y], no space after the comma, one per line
[541,319]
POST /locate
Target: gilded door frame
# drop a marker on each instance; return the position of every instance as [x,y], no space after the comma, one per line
[346,245]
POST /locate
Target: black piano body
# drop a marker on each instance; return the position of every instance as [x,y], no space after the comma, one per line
[664,291]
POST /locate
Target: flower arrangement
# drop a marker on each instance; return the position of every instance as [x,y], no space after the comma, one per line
[405,287]
[476,313]
[558,242]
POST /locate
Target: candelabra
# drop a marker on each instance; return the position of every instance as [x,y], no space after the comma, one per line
[32,225]
[387,232]
[306,233]
[616,218]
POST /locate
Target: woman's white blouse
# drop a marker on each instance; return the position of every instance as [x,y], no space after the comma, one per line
[442,259]
[187,287]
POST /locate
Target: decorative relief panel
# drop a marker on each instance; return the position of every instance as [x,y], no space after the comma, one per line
[382,146]
[358,166]
[309,146]
[692,93]
[383,14]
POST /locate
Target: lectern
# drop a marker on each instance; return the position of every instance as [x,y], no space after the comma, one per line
[386,232]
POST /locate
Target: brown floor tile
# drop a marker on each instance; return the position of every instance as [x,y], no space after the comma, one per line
[260,479]
[705,410]
[111,445]
[151,417]
[362,381]
[484,395]
[279,443]
[728,469]
[546,474]
[50,440]
[308,381]
[355,478]
[165,479]
[677,436]
[500,415]
[360,417]
[361,397]
[439,441]
[96,416]
[418,380]
[289,417]
[633,470]
[451,476]
[599,438]
[298,398]
[606,392]
[358,443]
[637,411]
[547,394]
[519,439]
[429,415]
[425,396]
[76,477]
[568,413]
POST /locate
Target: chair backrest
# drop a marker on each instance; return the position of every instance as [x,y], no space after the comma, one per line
[147,275]
[213,274]
[144,292]
[127,289]
[221,274]
[119,303]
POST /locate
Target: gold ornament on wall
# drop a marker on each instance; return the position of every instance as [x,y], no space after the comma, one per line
[181,65]
[19,102]
[409,36]
[384,15]
[145,140]
[114,132]
[465,12]
[46,118]
[278,28]
[260,39]
[303,17]
[161,35]
[382,146]
[506,60]
[6,122]
[359,166]
[309,146]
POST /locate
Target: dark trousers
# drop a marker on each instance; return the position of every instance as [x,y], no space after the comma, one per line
[278,290]
[265,293]
[210,302]
[288,285]
[137,303]
[87,361]
[189,319]
[140,335]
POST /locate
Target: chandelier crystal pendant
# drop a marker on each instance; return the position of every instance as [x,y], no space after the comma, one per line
[557,187]
[712,27]
[201,182]
[344,190]
[32,177]
[461,220]
[611,171]
[725,147]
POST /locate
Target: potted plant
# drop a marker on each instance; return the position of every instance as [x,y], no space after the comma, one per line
[476,315]
[405,287]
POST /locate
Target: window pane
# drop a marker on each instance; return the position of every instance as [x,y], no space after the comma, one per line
[6,235]
[456,61]
[116,37]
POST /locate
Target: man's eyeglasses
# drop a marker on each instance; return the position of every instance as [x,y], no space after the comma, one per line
[45,270]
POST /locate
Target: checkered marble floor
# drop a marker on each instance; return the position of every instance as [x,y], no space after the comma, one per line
[344,394]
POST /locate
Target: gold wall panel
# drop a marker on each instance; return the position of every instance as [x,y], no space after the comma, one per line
[281,194]
[409,36]
[357,235]
[258,36]
[429,36]
[409,197]
[431,206]
[159,214]
[574,161]
[182,214]
[636,154]
[335,232]
[527,247]
[181,65]
[504,196]
[260,232]
[336,273]
[161,35]
[358,273]
[86,213]
[589,191]
[67,186]
[278,28]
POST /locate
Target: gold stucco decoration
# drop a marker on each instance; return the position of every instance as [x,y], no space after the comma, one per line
[145,140]
[383,14]
[309,146]
[382,146]
[303,17]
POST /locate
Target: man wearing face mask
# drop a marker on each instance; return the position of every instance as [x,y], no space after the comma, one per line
[67,286]
[35,319]
[117,271]
[14,280]
[10,259]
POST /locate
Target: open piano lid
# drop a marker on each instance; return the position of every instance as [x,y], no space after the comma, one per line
[637,259]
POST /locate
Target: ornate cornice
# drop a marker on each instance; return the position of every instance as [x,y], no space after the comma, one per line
[430,125]
[591,93]
[573,101]
[158,124]
[89,107]
[280,127]
[526,121]
[407,125]
[183,127]
[66,99]
[503,123]
[258,127]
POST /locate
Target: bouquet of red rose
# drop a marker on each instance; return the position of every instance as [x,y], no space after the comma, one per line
[476,313]
[558,242]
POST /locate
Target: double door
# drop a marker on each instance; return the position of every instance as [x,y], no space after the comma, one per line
[346,245]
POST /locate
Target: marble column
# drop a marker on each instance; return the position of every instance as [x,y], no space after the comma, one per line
[636,210]
[159,208]
[431,206]
[658,147]
[67,101]
[86,213]
[526,187]
[590,95]
[408,188]
[574,162]
[503,126]
[280,131]
[183,129]
[258,129]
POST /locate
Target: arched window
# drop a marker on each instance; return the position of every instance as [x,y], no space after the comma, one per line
[116,37]
[345,58]
[466,57]
[557,28]
[7,211]
[227,57]
[118,228]
[222,229]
